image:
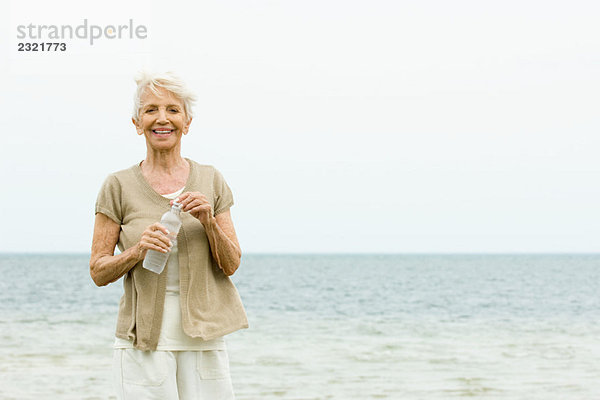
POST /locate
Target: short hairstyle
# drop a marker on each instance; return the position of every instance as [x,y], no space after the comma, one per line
[166,80]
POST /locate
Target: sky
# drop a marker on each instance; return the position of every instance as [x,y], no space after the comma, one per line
[341,126]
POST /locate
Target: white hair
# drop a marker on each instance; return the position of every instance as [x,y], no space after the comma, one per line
[167,80]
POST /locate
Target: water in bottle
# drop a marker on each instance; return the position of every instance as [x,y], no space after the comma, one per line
[155,261]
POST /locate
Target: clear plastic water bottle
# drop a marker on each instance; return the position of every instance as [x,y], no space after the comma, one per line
[155,261]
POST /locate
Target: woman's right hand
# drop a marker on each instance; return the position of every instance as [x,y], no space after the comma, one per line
[154,237]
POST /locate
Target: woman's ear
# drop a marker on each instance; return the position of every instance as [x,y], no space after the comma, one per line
[186,128]
[139,130]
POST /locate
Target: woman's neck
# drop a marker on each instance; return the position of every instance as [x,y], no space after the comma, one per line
[166,173]
[163,162]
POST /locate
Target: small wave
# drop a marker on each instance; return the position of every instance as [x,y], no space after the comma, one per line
[556,353]
[447,360]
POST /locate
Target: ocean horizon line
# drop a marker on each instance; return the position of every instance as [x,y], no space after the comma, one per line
[312,253]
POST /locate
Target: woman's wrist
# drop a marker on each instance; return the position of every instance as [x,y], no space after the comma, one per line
[137,253]
[210,224]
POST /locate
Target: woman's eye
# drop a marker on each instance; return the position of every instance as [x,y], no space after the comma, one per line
[150,110]
[174,110]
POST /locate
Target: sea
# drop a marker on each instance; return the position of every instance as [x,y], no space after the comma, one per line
[337,326]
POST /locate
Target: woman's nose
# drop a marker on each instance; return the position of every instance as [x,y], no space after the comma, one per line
[162,115]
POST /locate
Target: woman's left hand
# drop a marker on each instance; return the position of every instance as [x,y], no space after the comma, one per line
[197,205]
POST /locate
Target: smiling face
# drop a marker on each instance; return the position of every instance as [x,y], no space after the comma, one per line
[162,119]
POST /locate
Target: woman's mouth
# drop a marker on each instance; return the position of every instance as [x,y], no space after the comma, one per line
[162,132]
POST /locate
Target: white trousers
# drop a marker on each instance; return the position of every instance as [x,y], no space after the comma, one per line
[172,375]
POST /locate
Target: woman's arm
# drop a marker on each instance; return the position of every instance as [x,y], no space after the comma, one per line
[105,267]
[223,242]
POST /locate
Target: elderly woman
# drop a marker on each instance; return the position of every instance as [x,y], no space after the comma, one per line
[169,338]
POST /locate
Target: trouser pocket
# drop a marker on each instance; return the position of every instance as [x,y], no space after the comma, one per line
[146,368]
[212,364]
